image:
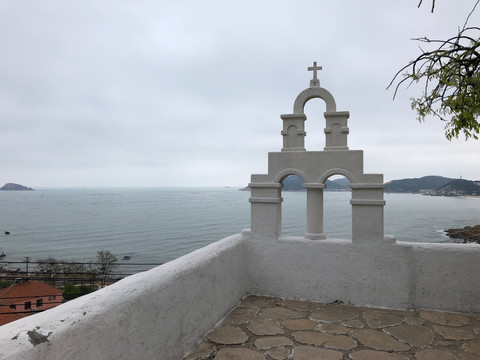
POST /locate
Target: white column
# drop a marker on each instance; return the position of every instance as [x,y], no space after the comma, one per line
[314,211]
[266,209]
[336,130]
[367,212]
[293,132]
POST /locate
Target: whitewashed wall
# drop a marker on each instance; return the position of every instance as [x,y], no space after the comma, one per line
[159,314]
[392,275]
[163,313]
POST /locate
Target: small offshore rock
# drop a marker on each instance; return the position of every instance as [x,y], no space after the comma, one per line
[468,234]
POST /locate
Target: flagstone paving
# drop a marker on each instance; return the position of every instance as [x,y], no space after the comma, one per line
[264,328]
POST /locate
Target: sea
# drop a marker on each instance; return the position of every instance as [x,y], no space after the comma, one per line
[145,227]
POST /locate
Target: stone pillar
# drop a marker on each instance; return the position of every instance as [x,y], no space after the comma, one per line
[367,212]
[293,132]
[266,209]
[336,130]
[314,211]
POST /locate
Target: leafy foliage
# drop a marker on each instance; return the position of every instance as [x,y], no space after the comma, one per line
[70,291]
[451,80]
[5,283]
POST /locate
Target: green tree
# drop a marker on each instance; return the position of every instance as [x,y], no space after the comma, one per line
[5,283]
[107,263]
[450,79]
[70,291]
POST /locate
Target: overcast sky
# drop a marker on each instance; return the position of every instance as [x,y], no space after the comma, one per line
[165,93]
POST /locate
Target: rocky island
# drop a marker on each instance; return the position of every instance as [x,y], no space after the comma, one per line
[12,186]
[468,234]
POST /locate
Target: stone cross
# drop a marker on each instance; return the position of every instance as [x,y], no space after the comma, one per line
[314,68]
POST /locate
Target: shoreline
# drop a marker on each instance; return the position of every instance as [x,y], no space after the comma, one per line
[467,234]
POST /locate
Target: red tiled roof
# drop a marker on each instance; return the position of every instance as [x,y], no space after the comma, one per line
[28,289]
[24,291]
[8,315]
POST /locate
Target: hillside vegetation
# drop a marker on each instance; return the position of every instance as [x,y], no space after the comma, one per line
[417,185]
[294,183]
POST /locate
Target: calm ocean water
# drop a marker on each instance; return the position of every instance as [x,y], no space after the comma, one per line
[160,224]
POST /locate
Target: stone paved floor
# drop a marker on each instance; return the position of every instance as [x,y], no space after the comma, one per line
[262,328]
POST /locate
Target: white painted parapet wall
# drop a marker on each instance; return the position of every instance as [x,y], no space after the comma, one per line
[163,313]
[158,314]
[390,275]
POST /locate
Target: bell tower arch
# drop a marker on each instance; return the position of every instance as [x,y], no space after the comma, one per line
[315,167]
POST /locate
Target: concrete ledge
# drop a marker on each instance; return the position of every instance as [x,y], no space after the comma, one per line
[377,273]
[310,236]
[159,314]
[367,202]
[265,200]
[163,313]
[444,276]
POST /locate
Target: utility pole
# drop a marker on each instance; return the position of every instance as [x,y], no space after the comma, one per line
[27,260]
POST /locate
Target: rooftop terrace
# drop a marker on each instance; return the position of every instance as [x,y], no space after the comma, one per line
[267,328]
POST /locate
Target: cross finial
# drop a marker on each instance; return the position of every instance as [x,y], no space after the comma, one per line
[314,68]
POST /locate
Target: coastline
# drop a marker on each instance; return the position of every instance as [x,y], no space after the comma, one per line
[467,234]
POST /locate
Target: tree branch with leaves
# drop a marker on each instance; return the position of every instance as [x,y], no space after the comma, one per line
[451,81]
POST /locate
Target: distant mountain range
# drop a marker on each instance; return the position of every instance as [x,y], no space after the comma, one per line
[435,186]
[428,185]
[294,183]
[417,185]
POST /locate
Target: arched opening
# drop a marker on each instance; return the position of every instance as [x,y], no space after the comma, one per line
[337,210]
[293,206]
[315,124]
